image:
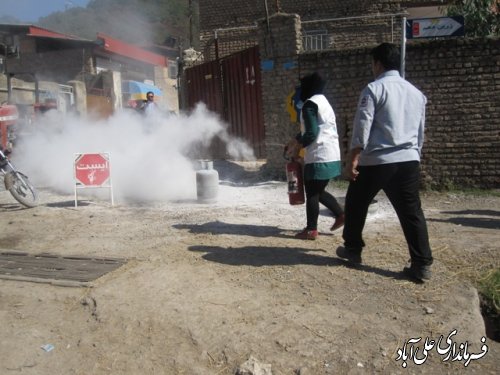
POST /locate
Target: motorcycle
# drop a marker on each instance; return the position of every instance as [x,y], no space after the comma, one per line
[17,183]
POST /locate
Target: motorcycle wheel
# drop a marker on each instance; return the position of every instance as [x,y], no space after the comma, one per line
[21,189]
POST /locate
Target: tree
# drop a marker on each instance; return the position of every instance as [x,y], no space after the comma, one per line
[482,17]
[134,21]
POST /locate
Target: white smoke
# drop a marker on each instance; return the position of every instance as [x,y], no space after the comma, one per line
[149,156]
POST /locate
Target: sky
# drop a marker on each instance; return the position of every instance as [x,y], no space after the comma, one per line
[31,10]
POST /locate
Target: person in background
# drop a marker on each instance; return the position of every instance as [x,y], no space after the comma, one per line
[385,149]
[319,137]
[149,105]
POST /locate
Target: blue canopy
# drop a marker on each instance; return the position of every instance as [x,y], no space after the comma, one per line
[139,89]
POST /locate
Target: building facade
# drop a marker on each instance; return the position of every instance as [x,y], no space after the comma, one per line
[74,73]
[228,26]
[458,75]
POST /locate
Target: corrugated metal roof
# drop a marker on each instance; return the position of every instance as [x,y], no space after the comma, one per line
[36,31]
[118,47]
[39,31]
[105,43]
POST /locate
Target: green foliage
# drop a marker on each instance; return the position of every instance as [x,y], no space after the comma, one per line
[449,187]
[482,17]
[489,286]
[10,20]
[134,21]
[482,192]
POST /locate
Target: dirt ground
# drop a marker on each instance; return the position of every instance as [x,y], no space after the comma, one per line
[207,286]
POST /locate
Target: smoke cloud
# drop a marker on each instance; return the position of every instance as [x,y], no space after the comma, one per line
[151,157]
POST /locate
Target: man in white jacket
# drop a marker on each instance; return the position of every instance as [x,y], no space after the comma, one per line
[385,149]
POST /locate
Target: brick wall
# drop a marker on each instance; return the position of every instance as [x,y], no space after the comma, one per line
[230,13]
[228,41]
[235,18]
[279,52]
[460,78]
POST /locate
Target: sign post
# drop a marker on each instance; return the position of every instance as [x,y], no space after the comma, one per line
[428,28]
[435,27]
[402,57]
[92,171]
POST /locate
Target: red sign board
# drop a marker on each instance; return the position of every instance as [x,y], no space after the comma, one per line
[92,169]
[416,28]
[8,116]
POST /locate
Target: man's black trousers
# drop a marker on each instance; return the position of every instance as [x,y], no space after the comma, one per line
[400,182]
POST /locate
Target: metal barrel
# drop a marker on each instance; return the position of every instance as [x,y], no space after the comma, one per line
[207,182]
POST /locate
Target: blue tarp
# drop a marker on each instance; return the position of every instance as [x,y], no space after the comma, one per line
[135,87]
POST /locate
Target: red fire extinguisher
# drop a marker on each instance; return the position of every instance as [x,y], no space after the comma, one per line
[295,182]
[295,178]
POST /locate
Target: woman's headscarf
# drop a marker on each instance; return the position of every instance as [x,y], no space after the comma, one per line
[310,85]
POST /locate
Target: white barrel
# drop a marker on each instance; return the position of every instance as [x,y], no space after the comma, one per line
[207,183]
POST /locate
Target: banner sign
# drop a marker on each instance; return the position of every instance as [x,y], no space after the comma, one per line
[435,27]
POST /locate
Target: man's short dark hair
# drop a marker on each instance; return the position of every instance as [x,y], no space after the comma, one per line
[388,55]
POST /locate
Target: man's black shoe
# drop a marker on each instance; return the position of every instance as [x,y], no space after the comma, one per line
[419,273]
[351,254]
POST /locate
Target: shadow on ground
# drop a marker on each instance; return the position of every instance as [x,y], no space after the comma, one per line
[219,227]
[258,256]
[67,204]
[470,218]
[12,207]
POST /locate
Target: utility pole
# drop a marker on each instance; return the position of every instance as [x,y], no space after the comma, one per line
[278,6]
[6,72]
[190,23]
[403,48]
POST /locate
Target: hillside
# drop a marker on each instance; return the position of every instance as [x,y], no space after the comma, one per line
[162,22]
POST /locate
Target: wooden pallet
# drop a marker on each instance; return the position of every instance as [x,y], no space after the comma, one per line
[55,269]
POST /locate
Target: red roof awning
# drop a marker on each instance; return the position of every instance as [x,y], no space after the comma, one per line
[118,47]
[38,31]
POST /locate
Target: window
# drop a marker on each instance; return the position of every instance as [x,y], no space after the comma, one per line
[315,40]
